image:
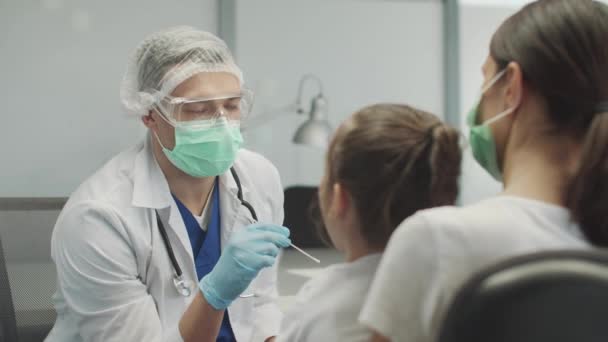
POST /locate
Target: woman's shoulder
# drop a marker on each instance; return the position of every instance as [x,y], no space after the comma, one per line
[466,225]
[477,215]
[495,226]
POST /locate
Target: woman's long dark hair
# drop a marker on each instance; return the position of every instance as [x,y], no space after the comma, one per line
[562,49]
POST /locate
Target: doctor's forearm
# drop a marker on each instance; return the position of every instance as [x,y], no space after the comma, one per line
[200,322]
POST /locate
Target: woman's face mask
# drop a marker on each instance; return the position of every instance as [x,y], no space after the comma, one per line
[483,144]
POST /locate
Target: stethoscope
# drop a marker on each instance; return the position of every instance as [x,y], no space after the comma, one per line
[182,285]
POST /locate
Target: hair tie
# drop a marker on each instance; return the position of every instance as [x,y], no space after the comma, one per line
[430,132]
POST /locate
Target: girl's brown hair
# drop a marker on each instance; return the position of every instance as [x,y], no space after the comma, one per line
[394,160]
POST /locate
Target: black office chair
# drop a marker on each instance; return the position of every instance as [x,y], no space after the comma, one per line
[302,216]
[544,297]
[8,323]
[26,226]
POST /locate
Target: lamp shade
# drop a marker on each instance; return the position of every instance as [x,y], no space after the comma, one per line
[316,130]
[313,133]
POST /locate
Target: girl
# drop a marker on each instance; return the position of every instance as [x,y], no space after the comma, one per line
[385,163]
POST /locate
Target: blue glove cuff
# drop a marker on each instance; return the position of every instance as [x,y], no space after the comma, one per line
[211,295]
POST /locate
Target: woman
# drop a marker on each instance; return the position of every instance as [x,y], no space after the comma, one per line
[542,128]
[385,163]
[177,210]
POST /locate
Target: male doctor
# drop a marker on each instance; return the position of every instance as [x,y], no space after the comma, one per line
[176,238]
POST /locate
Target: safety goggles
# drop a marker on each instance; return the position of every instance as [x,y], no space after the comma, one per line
[179,111]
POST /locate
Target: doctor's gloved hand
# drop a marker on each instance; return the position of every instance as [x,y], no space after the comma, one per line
[248,251]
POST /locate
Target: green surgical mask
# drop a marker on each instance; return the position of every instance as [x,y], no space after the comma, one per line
[481,139]
[205,150]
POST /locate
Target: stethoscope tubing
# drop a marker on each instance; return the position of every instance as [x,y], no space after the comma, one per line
[167,243]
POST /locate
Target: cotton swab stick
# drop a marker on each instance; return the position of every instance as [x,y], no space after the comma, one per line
[306,254]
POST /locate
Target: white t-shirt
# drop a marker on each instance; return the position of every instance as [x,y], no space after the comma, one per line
[327,306]
[434,252]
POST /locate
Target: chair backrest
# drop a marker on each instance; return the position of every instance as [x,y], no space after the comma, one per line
[26,226]
[8,324]
[543,297]
[300,206]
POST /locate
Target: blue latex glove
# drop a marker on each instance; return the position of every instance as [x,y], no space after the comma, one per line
[248,251]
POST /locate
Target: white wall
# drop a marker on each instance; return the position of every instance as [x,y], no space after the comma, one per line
[62,63]
[364,52]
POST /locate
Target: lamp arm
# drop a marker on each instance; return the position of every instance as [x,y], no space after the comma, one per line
[260,119]
[265,117]
[303,80]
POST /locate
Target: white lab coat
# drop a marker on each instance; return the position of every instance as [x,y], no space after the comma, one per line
[115,279]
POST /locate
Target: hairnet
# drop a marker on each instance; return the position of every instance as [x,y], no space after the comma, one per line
[167,58]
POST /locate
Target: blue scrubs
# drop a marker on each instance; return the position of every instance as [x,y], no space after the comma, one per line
[206,248]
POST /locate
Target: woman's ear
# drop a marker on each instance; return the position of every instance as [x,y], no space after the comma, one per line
[514,86]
